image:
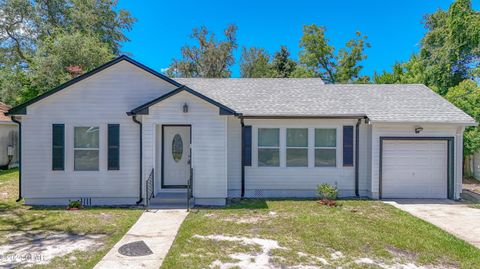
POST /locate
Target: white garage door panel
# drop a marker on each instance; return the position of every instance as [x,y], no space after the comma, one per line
[414,169]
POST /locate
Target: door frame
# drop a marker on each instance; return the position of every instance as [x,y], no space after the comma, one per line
[450,158]
[163,186]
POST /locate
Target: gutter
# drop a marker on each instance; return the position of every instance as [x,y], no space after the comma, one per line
[140,194]
[357,146]
[242,195]
[19,158]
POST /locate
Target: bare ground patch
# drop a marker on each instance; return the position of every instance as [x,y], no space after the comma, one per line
[37,248]
[266,259]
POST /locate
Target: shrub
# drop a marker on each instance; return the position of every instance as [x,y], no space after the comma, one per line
[74,204]
[327,191]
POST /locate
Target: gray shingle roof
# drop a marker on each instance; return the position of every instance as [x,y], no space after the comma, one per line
[311,97]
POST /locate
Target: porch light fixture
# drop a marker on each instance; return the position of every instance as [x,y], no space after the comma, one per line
[185,108]
[418,129]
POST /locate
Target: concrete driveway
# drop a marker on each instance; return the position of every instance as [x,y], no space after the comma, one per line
[454,217]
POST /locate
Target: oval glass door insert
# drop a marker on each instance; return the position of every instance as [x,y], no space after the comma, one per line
[177,148]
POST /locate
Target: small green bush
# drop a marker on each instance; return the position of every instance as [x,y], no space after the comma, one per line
[74,204]
[327,191]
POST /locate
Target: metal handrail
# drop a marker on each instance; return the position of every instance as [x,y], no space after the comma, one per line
[189,188]
[149,188]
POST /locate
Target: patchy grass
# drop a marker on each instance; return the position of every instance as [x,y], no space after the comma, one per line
[355,234]
[108,225]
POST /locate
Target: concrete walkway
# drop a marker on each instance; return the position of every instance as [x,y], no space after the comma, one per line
[454,217]
[157,229]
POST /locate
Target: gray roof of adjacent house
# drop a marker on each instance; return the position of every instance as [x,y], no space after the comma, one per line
[310,97]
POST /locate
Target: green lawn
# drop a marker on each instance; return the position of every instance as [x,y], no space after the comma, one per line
[18,218]
[309,234]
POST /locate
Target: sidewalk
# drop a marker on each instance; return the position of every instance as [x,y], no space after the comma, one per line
[151,237]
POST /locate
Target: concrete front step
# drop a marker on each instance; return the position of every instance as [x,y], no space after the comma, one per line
[169,200]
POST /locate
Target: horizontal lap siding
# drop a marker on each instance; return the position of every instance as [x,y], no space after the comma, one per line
[234,155]
[283,181]
[385,130]
[97,101]
[209,142]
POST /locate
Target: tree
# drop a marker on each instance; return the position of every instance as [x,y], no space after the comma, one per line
[325,62]
[255,63]
[65,57]
[33,30]
[282,65]
[450,50]
[210,58]
[411,71]
[466,96]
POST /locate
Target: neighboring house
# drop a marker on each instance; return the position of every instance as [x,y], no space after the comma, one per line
[239,137]
[8,139]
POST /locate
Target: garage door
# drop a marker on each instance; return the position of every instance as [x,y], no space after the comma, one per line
[414,169]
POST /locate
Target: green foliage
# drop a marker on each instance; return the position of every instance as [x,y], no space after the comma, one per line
[449,52]
[257,63]
[450,49]
[74,204]
[282,65]
[210,58]
[327,191]
[466,96]
[40,42]
[320,58]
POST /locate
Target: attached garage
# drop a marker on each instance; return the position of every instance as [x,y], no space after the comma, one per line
[416,167]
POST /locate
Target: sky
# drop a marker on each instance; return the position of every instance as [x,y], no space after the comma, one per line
[394,27]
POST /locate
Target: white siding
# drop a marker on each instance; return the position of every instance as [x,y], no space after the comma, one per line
[209,142]
[96,101]
[298,181]
[400,130]
[234,143]
[364,150]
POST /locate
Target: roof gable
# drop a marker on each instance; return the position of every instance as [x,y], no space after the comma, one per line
[143,109]
[22,108]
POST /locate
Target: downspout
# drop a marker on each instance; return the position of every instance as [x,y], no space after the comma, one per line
[19,158]
[243,157]
[357,146]
[140,195]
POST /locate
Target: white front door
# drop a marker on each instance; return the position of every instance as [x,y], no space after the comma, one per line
[414,169]
[176,156]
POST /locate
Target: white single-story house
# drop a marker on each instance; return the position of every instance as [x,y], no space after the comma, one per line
[123,132]
[8,139]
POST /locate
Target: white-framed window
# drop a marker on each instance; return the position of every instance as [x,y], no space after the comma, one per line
[86,148]
[297,147]
[269,147]
[325,147]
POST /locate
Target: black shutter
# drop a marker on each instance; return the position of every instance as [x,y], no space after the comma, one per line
[347,145]
[58,147]
[113,147]
[247,145]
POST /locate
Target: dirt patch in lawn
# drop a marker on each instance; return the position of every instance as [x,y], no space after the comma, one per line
[247,219]
[36,248]
[266,259]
